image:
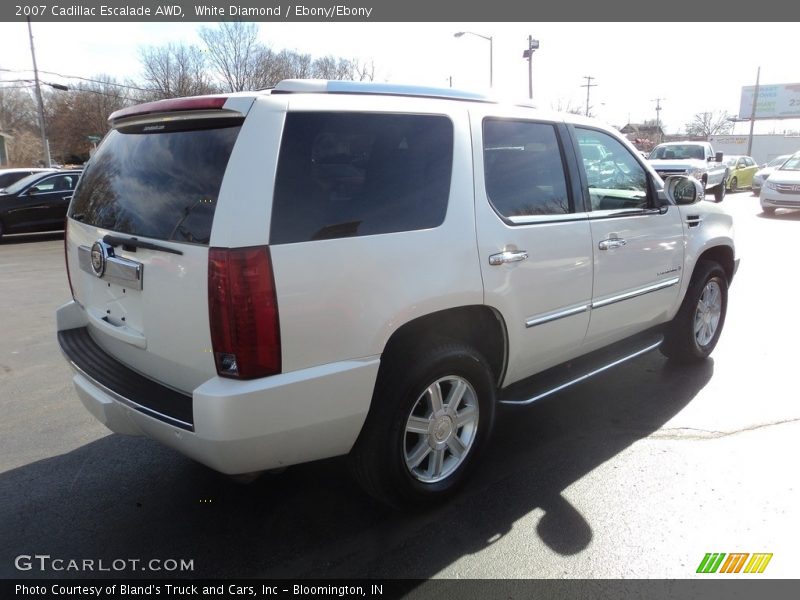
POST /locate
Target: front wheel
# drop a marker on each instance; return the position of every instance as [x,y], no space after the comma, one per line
[719,192]
[427,424]
[734,185]
[768,210]
[695,330]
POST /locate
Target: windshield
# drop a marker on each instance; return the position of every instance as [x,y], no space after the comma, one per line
[793,164]
[20,185]
[678,152]
[777,162]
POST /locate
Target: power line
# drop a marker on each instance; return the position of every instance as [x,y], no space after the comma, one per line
[122,85]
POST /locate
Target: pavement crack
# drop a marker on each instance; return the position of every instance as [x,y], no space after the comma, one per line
[693,433]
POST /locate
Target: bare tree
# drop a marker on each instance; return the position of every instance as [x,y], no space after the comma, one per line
[566,106]
[175,70]
[236,55]
[82,112]
[705,124]
[17,110]
[363,71]
[330,67]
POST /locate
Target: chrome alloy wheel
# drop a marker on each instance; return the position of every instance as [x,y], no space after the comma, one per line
[707,315]
[441,429]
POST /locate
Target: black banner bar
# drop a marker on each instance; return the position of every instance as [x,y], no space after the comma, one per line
[678,11]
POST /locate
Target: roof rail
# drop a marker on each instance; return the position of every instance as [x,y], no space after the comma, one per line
[323,86]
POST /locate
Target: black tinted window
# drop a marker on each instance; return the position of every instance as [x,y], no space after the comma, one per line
[523,169]
[159,185]
[354,174]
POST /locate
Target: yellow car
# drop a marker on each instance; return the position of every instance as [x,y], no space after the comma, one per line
[740,171]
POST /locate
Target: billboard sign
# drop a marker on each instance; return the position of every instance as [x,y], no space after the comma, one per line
[780,101]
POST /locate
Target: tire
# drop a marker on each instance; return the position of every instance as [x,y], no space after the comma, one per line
[768,210]
[719,192]
[1,231]
[692,335]
[734,185]
[412,451]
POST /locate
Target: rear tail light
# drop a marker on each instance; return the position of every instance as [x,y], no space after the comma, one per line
[66,256]
[243,312]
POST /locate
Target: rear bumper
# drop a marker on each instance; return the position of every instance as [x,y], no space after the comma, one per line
[234,426]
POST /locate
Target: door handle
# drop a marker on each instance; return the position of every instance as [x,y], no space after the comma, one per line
[611,243]
[507,257]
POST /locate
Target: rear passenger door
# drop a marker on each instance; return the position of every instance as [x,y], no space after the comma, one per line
[534,240]
[637,244]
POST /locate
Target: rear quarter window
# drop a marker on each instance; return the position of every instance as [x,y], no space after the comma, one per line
[356,174]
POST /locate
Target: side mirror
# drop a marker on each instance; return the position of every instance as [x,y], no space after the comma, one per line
[33,191]
[718,157]
[683,190]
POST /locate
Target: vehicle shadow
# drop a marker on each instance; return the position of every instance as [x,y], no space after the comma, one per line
[130,498]
[29,238]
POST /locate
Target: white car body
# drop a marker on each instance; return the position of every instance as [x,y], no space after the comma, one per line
[762,174]
[782,188]
[342,300]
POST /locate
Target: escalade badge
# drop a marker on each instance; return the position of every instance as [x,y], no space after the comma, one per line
[99,254]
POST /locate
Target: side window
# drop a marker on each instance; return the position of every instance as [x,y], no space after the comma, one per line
[749,161]
[60,183]
[354,174]
[523,169]
[617,180]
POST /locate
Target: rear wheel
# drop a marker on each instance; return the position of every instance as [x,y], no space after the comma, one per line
[1,231]
[428,422]
[695,330]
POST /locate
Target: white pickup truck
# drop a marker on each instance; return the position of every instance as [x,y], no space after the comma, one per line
[695,159]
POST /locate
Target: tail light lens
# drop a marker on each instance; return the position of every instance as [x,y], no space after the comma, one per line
[243,312]
[66,256]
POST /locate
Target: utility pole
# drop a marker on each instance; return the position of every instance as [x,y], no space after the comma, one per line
[533,45]
[753,113]
[588,85]
[658,117]
[45,145]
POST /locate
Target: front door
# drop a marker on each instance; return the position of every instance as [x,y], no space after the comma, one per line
[637,245]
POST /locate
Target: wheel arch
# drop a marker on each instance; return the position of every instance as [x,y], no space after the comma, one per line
[479,326]
[722,255]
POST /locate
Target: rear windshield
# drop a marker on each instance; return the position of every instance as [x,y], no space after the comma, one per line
[161,185]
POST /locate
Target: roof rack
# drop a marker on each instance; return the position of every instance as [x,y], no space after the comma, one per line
[323,86]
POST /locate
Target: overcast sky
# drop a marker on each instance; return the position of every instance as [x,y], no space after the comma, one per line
[691,67]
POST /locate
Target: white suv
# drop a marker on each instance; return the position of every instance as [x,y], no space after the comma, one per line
[326,268]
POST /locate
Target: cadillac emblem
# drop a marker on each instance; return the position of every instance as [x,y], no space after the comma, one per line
[98,255]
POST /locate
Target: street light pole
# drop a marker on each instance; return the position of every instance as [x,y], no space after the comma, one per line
[491,51]
[533,45]
[42,130]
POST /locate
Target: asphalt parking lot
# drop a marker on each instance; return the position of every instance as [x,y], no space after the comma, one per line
[635,474]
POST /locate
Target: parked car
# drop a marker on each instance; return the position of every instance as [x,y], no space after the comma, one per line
[9,176]
[37,202]
[782,187]
[740,171]
[766,170]
[409,259]
[695,159]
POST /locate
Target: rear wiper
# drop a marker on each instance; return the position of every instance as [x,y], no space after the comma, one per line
[131,244]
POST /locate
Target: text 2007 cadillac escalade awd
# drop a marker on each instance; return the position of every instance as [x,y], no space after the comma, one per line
[331,268]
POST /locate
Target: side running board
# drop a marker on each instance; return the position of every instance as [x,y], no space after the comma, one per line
[561,377]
